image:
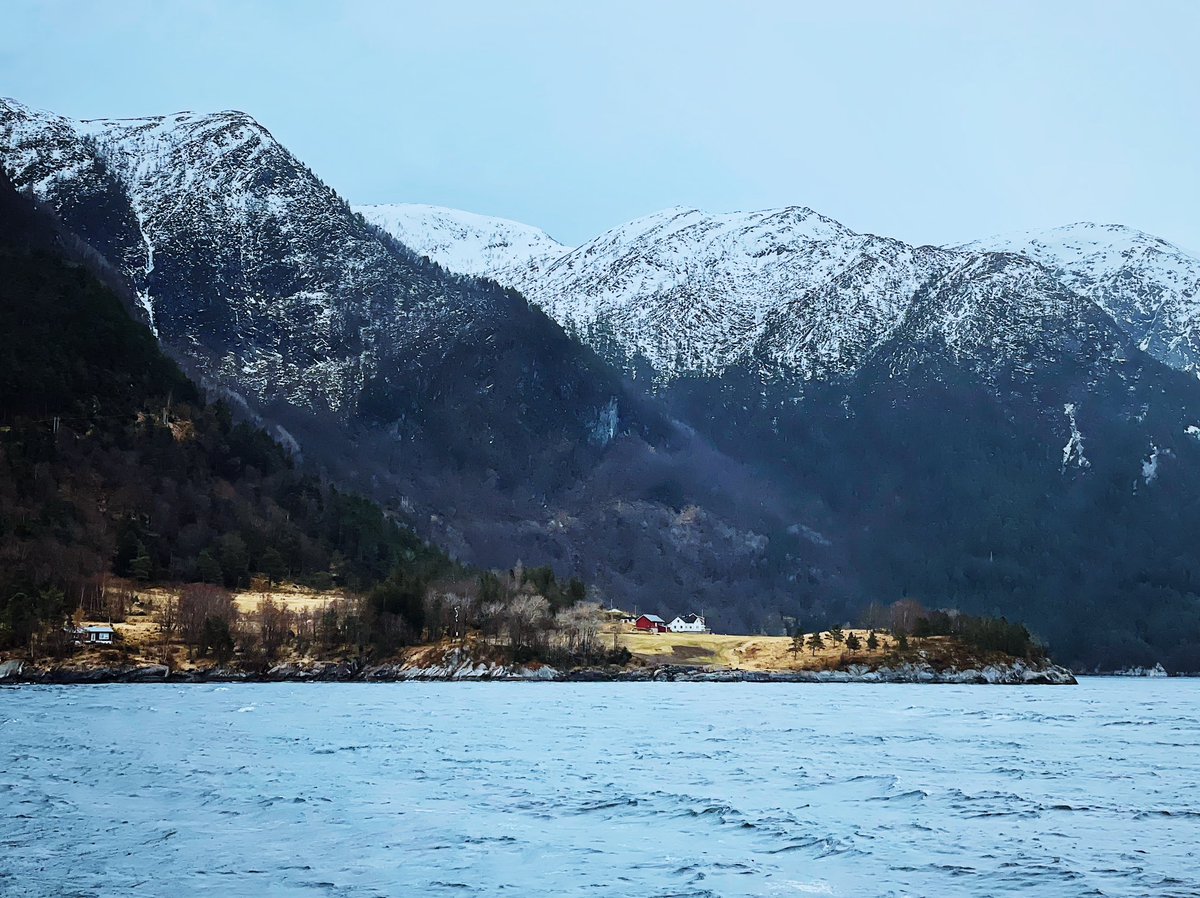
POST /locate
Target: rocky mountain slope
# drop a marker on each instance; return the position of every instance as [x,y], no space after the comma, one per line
[1149,286]
[245,261]
[111,463]
[256,272]
[927,398]
[469,412]
[813,418]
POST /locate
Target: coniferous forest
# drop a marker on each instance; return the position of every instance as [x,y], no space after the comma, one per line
[112,462]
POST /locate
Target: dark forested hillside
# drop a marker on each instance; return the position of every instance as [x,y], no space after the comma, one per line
[112,462]
[943,491]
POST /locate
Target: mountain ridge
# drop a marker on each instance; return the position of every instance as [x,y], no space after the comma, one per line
[590,289]
[766,417]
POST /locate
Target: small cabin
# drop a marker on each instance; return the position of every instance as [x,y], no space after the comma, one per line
[651,623]
[99,635]
[95,634]
[689,623]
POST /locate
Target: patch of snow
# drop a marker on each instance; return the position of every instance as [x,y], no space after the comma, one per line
[1073,451]
[1150,466]
[288,441]
[605,427]
[808,533]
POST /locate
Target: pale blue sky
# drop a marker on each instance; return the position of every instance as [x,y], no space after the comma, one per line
[929,121]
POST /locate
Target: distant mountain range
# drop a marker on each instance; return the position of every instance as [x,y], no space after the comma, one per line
[763,415]
[792,291]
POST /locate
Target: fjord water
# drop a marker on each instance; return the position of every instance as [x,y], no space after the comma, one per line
[600,790]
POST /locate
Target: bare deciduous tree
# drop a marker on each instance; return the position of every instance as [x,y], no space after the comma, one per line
[166,618]
[525,617]
[273,621]
[579,626]
[198,602]
[904,615]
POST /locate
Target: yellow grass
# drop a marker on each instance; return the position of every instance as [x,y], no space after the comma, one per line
[294,598]
[139,632]
[743,652]
[141,639]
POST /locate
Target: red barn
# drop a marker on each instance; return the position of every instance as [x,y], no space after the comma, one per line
[651,623]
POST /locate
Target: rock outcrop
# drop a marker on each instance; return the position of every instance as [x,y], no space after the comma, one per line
[459,666]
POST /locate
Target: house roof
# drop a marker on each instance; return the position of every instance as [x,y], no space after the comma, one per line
[653,618]
[99,628]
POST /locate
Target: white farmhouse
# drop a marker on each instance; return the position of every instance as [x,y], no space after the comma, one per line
[690,623]
[102,634]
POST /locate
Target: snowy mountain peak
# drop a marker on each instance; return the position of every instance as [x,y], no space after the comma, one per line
[464,242]
[1086,245]
[242,259]
[788,291]
[731,232]
[1148,285]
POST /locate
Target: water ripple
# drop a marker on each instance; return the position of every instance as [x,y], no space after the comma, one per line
[603,790]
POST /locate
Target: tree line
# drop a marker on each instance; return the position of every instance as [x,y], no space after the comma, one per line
[520,615]
[891,628]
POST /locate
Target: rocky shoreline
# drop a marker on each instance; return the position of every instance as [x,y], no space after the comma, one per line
[463,669]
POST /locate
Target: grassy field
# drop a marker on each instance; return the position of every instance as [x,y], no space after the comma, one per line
[141,639]
[742,652]
[294,598]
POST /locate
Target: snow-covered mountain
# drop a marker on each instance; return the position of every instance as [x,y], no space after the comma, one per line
[692,292]
[262,279]
[243,259]
[246,263]
[464,242]
[996,313]
[788,292]
[830,416]
[1149,286]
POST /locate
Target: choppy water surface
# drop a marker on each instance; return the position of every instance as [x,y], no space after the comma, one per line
[601,790]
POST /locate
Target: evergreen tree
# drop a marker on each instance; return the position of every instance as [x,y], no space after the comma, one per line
[231,552]
[216,640]
[816,642]
[797,641]
[142,566]
[853,643]
[272,565]
[208,569]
